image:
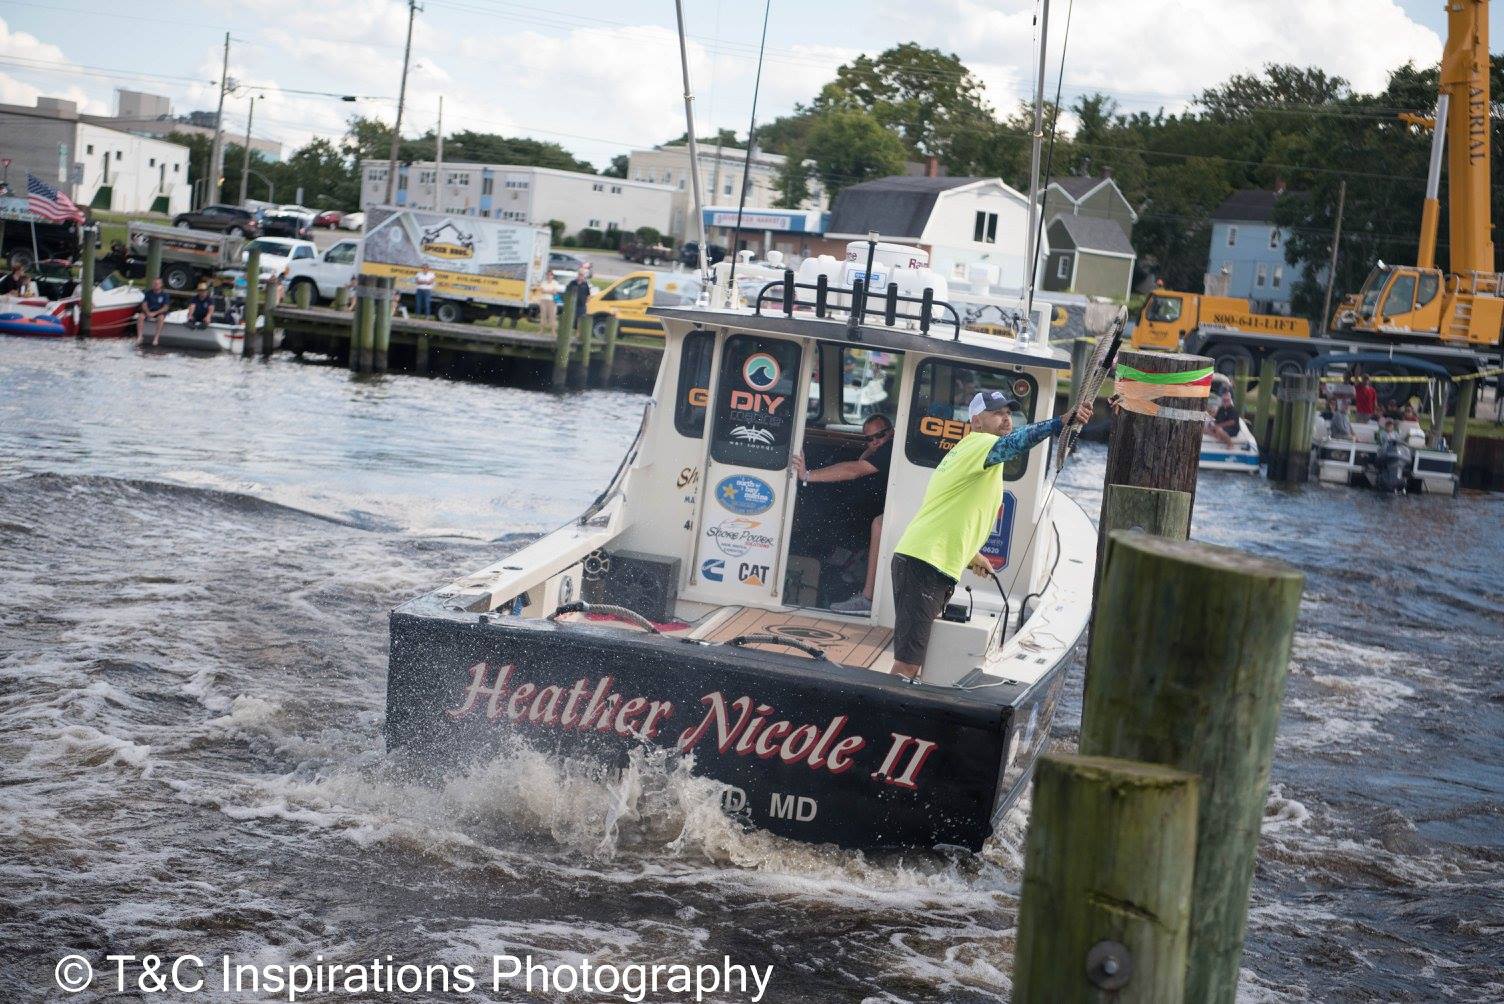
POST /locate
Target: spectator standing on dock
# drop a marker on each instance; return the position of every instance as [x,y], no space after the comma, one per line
[960,505]
[548,307]
[424,283]
[154,307]
[1365,400]
[580,287]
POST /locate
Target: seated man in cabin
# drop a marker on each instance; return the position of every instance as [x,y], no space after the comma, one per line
[154,307]
[200,308]
[871,469]
[960,505]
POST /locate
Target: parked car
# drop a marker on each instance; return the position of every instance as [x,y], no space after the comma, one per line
[353,221]
[634,248]
[278,252]
[564,266]
[328,219]
[689,254]
[326,273]
[630,297]
[230,220]
[285,225]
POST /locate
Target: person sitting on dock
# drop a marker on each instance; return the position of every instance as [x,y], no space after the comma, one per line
[154,307]
[200,308]
[871,468]
[960,504]
[423,284]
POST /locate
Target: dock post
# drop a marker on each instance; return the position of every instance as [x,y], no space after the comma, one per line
[268,315]
[382,307]
[420,355]
[153,259]
[608,357]
[367,309]
[1467,392]
[357,308]
[579,369]
[562,339]
[1240,386]
[1081,349]
[1290,445]
[342,298]
[252,302]
[1190,645]
[1263,411]
[86,281]
[1105,907]
[1157,511]
[302,294]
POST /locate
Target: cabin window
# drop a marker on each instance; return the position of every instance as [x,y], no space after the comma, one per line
[1163,309]
[1430,283]
[754,420]
[1401,295]
[938,418]
[694,384]
[869,383]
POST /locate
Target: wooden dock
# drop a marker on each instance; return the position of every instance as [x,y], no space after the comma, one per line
[425,346]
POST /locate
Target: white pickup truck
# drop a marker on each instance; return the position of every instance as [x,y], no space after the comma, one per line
[327,272]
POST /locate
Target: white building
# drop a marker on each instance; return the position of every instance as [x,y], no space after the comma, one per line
[967,224]
[720,176]
[151,115]
[533,195]
[94,165]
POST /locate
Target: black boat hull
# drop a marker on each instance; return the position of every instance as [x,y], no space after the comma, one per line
[809,750]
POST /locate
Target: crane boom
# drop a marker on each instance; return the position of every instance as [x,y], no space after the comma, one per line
[1465,83]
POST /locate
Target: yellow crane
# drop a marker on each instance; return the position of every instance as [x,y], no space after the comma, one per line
[1465,305]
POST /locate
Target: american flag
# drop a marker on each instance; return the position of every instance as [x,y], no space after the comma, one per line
[48,203]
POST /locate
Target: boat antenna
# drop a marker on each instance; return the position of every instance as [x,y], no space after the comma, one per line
[741,206]
[1036,138]
[694,148]
[1036,239]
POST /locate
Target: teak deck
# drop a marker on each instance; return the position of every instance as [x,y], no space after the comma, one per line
[842,641]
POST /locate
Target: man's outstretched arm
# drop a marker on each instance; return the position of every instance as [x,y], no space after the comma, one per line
[1020,442]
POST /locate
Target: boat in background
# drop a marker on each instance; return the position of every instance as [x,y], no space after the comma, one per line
[1242,454]
[226,333]
[115,306]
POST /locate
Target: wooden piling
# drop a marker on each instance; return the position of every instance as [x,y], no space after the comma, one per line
[1263,411]
[1467,392]
[86,281]
[608,354]
[1289,453]
[252,302]
[342,298]
[367,309]
[1105,908]
[302,294]
[1190,644]
[1240,387]
[382,310]
[579,367]
[356,321]
[268,316]
[420,355]
[153,259]
[562,340]
[1156,511]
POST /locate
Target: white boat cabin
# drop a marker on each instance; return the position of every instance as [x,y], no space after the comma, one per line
[706,532]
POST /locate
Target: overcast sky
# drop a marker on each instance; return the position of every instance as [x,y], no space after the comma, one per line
[601,77]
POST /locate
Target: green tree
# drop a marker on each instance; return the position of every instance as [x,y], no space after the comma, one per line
[852,146]
[618,166]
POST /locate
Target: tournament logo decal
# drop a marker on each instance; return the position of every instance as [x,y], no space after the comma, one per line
[744,495]
[761,371]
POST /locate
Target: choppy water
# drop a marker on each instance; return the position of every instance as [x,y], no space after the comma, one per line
[196,561]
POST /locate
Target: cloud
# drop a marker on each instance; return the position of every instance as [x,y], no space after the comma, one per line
[22,46]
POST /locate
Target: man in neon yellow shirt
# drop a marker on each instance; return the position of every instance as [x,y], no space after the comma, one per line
[960,505]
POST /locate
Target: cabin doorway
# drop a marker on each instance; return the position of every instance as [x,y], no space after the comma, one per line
[847,450]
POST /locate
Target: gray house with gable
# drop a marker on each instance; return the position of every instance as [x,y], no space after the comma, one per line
[1090,250]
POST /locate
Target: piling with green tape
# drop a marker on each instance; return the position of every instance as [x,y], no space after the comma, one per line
[1190,647]
[86,281]
[1104,912]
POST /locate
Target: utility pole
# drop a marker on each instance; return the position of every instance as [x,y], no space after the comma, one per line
[1331,269]
[438,174]
[391,164]
[217,152]
[245,170]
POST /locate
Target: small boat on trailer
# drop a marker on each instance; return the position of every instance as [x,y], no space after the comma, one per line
[689,607]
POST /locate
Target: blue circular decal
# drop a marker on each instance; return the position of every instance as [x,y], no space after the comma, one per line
[761,371]
[744,495]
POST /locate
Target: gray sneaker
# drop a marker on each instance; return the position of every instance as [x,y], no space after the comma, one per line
[858,604]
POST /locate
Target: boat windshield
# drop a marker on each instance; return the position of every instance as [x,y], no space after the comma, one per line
[1372,287]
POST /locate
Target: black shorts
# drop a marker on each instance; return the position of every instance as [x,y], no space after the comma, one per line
[920,593]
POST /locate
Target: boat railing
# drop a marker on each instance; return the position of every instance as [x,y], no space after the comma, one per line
[784,293]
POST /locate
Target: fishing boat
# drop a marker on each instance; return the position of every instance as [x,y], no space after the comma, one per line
[115,306]
[685,609]
[224,333]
